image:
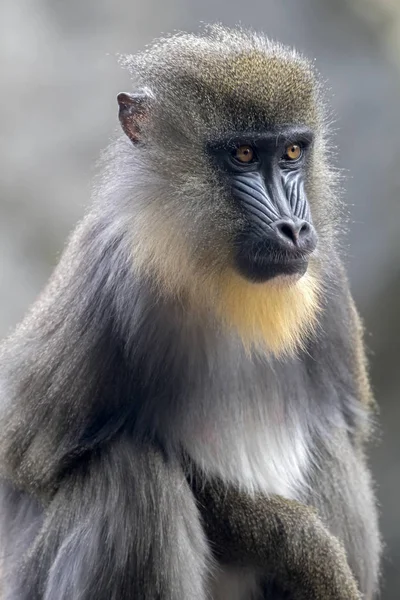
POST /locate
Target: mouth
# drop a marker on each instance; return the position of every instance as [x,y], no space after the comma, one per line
[259,259]
[259,269]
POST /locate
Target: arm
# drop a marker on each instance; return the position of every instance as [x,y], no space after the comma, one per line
[123,525]
[282,538]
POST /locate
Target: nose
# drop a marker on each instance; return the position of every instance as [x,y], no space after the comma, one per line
[295,234]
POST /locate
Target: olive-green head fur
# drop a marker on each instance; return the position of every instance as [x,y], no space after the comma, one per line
[226,80]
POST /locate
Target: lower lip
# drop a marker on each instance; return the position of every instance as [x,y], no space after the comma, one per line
[259,272]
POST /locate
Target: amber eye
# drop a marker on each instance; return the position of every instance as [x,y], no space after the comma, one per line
[293,152]
[244,154]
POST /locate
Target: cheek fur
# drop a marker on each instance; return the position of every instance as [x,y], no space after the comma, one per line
[161,255]
[163,251]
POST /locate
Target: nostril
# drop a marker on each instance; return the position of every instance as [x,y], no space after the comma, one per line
[304,229]
[288,230]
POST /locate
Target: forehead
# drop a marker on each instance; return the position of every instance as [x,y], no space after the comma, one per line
[231,80]
[270,88]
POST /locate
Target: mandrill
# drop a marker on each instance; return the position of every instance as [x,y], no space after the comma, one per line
[184,410]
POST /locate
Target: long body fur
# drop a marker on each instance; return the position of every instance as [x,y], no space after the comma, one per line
[113,385]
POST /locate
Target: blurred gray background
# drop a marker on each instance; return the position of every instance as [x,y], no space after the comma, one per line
[59,79]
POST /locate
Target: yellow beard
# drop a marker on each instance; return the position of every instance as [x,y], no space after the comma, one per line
[277,315]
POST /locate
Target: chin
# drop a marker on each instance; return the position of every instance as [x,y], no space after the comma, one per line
[285,279]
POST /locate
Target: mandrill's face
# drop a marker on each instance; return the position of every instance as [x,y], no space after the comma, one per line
[263,176]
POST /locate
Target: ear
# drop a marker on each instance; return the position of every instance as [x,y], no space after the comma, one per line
[133,112]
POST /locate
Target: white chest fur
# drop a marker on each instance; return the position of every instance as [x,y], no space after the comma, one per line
[258,449]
